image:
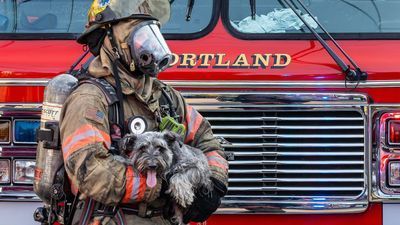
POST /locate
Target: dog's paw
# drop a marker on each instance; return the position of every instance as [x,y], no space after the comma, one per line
[182,193]
[178,215]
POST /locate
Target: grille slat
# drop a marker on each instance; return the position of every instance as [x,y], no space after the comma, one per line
[297,188]
[287,162]
[261,145]
[288,136]
[295,180]
[263,171]
[298,153]
[292,153]
[286,127]
[283,118]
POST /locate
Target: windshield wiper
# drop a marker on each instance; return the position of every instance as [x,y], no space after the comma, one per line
[189,10]
[355,74]
[253,9]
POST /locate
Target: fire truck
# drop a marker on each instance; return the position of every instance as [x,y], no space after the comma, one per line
[305,93]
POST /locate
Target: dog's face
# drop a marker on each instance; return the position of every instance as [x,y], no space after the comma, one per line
[150,153]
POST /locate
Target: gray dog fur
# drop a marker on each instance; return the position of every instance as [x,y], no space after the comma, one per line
[163,152]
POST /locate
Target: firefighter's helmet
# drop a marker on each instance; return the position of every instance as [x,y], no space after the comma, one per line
[110,11]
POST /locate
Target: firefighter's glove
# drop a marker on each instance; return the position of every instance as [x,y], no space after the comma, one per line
[204,203]
[170,124]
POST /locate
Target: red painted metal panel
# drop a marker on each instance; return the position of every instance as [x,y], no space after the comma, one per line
[310,61]
[373,216]
[21,94]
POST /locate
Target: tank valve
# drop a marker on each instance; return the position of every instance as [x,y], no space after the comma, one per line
[40,215]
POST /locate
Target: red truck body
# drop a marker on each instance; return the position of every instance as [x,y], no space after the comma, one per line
[220,62]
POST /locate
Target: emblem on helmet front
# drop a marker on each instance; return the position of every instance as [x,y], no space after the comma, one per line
[97,7]
[104,3]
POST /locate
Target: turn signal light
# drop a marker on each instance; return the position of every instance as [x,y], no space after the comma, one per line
[394,132]
[24,171]
[4,131]
[25,131]
[4,171]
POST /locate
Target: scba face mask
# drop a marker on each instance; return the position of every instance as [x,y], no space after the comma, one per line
[149,51]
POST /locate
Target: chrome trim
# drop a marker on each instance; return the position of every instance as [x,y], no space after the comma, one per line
[298,153]
[327,188]
[18,196]
[262,145]
[288,135]
[281,84]
[226,101]
[281,162]
[17,107]
[282,118]
[295,171]
[379,190]
[231,84]
[29,82]
[10,192]
[294,101]
[295,180]
[289,127]
[287,207]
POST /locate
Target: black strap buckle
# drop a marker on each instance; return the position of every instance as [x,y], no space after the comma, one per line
[50,135]
[106,211]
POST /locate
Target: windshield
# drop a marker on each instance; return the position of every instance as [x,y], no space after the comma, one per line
[70,16]
[338,16]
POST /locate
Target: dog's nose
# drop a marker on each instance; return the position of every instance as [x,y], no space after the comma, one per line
[153,166]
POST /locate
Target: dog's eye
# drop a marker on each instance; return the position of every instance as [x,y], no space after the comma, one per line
[161,149]
[142,148]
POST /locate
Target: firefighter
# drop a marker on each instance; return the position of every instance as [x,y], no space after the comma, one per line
[129,53]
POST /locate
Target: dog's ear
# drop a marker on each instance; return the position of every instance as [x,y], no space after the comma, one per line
[127,143]
[171,137]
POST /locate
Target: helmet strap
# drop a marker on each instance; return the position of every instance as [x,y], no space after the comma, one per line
[116,58]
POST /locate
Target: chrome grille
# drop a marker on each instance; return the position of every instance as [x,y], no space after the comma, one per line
[299,153]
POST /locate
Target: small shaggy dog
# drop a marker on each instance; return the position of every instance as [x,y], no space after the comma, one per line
[164,155]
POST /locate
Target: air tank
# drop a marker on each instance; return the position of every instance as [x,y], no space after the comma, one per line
[49,157]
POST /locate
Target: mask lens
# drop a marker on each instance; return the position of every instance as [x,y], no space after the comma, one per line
[149,49]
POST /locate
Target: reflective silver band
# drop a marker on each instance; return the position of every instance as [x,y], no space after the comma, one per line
[282,84]
[294,207]
[232,84]
[30,82]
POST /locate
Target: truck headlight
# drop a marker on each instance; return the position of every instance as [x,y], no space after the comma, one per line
[24,171]
[4,171]
[394,173]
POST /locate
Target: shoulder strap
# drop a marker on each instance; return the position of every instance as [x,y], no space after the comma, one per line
[104,86]
[113,109]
